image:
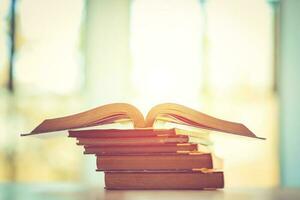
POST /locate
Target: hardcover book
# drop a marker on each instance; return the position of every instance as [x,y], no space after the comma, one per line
[176,161]
[142,149]
[163,180]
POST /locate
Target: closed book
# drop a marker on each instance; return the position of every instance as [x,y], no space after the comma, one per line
[110,133]
[176,161]
[163,180]
[123,150]
[133,141]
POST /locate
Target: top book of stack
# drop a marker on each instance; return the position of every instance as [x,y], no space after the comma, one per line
[120,112]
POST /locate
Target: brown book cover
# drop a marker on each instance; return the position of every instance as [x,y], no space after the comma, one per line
[165,148]
[163,180]
[162,161]
[133,141]
[111,133]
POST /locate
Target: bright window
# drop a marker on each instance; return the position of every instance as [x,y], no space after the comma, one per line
[48,56]
[166,51]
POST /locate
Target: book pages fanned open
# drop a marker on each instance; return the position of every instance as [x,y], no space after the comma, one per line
[169,112]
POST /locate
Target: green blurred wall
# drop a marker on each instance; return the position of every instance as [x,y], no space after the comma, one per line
[289,87]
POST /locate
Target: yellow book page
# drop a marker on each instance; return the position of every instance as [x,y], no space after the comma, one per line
[111,113]
[184,115]
[106,114]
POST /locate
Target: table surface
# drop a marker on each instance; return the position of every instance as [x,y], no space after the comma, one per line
[60,191]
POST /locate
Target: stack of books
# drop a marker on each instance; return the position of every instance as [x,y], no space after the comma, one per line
[148,156]
[152,158]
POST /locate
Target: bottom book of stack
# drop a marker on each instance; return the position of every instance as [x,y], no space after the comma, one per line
[163,180]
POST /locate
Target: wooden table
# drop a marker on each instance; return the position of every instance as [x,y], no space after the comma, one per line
[62,191]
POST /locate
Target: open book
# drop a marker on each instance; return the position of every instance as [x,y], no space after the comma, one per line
[168,112]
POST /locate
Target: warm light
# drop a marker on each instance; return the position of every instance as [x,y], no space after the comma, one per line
[47,56]
[166,44]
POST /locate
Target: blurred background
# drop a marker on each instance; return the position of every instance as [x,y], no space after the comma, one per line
[235,59]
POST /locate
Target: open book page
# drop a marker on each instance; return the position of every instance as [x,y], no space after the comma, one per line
[191,117]
[106,114]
